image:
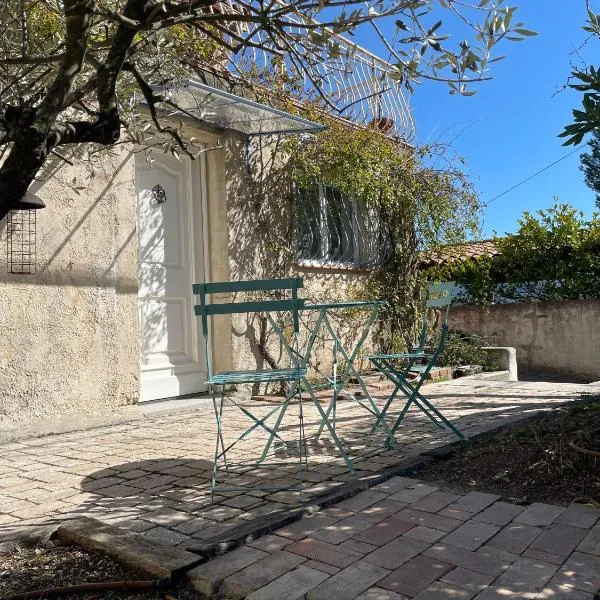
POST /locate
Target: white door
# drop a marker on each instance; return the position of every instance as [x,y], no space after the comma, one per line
[170,230]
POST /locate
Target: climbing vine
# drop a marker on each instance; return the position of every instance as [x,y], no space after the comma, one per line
[420,205]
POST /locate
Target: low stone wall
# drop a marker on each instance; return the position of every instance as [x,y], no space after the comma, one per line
[558,337]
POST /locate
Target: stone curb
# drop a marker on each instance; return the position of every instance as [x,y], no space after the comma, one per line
[238,536]
[131,549]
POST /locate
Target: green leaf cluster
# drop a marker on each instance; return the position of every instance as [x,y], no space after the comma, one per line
[587,118]
[461,349]
[420,206]
[555,255]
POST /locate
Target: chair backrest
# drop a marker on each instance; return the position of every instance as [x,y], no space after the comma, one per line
[439,295]
[206,309]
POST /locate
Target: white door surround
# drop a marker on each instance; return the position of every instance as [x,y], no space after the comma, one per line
[170,220]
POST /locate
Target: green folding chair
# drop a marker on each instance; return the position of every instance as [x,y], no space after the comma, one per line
[398,367]
[293,375]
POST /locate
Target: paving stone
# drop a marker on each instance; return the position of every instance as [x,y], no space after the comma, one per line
[471,535]
[559,539]
[221,513]
[526,576]
[396,553]
[444,591]
[270,543]
[208,577]
[163,535]
[467,579]
[291,586]
[474,502]
[324,552]
[305,527]
[356,546]
[425,533]
[377,593]
[548,557]
[381,510]
[434,521]
[579,515]
[259,574]
[395,484]
[168,517]
[362,500]
[129,548]
[499,513]
[539,515]
[591,542]
[515,538]
[319,566]
[383,532]
[581,571]
[435,501]
[414,576]
[475,561]
[497,593]
[193,525]
[342,530]
[455,513]
[554,591]
[412,493]
[349,583]
[242,501]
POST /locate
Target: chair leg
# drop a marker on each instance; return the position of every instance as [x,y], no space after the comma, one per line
[274,434]
[408,392]
[219,440]
[448,424]
[325,420]
[381,418]
[417,398]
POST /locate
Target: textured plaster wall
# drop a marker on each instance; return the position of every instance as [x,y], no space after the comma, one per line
[69,333]
[257,215]
[560,337]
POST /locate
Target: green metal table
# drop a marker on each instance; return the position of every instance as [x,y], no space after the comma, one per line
[338,379]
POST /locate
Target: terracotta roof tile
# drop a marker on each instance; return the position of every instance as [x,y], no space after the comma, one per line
[465,251]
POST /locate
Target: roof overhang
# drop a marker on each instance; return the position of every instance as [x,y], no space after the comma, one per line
[233,113]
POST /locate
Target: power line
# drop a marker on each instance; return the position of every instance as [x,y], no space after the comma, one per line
[514,187]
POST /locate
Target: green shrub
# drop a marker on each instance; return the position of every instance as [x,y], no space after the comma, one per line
[461,349]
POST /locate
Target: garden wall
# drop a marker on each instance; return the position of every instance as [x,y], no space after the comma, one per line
[559,337]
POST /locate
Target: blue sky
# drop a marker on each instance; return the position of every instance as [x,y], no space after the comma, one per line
[508,130]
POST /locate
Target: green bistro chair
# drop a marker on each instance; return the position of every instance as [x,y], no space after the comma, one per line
[293,375]
[420,361]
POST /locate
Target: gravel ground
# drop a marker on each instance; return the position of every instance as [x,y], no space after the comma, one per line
[531,462]
[49,565]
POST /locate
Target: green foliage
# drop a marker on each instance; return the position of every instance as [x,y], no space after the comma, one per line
[555,255]
[461,349]
[587,119]
[420,206]
[590,165]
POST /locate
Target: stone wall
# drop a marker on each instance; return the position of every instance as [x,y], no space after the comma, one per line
[558,337]
[69,333]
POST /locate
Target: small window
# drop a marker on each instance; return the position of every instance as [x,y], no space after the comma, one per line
[334,230]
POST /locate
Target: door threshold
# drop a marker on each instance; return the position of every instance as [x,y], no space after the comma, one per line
[152,408]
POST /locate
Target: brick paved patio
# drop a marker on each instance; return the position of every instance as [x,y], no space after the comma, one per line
[153,476]
[405,539]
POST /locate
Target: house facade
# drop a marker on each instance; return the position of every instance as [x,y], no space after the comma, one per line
[101,318]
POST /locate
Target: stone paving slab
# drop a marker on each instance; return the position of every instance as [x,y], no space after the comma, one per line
[474,560]
[153,477]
